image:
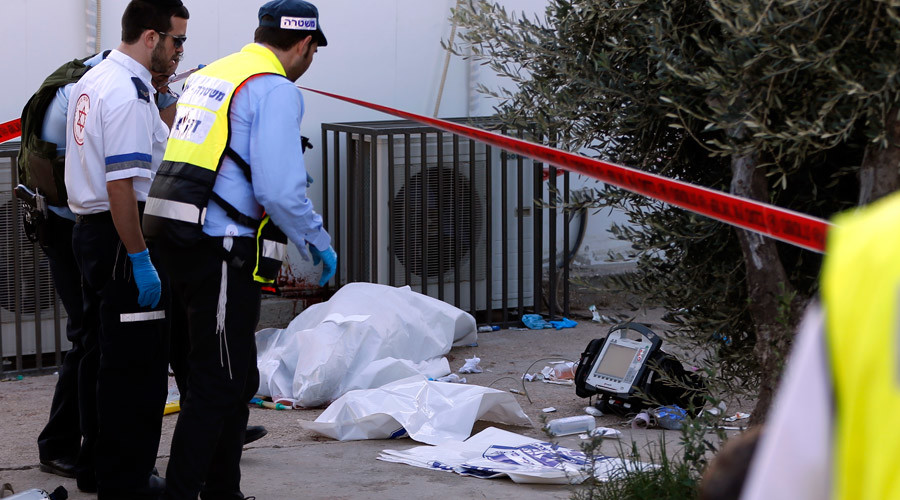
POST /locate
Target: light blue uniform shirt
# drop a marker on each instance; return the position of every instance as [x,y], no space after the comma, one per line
[164,100]
[265,131]
[54,127]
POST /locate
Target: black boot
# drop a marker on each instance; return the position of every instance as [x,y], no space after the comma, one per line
[254,433]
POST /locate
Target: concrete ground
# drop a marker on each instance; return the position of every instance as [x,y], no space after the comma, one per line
[293,463]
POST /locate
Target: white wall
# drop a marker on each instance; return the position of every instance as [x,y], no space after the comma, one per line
[36,36]
[383,51]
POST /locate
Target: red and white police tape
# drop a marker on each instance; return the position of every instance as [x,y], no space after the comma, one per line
[776,222]
[10,130]
[786,225]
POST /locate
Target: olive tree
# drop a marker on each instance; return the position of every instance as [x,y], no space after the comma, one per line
[788,102]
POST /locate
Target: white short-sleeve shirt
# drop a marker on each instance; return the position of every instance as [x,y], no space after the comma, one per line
[113,132]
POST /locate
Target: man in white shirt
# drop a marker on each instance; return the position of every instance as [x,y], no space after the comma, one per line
[115,142]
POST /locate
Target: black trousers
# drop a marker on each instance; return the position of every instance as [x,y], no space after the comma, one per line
[221,372]
[61,437]
[130,346]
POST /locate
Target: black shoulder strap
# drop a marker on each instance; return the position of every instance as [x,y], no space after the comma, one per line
[245,167]
[234,213]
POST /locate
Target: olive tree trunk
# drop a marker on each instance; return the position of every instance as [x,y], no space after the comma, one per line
[767,286]
[879,174]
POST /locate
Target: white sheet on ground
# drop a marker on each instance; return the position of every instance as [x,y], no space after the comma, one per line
[429,411]
[365,336]
[496,453]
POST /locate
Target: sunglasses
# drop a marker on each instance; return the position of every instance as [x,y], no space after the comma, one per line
[177,39]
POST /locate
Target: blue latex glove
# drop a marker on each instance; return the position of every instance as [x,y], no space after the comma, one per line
[563,323]
[309,180]
[146,278]
[328,258]
[535,322]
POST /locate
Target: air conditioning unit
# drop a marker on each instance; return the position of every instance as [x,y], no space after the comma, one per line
[35,298]
[425,236]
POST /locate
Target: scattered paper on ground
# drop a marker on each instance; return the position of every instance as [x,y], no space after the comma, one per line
[605,432]
[496,453]
[429,411]
[737,416]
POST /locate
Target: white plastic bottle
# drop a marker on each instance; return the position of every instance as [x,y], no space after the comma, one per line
[571,425]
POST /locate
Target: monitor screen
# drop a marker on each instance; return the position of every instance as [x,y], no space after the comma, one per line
[615,361]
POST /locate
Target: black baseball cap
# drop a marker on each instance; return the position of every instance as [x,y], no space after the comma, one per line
[293,15]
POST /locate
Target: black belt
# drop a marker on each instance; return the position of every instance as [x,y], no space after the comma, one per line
[241,255]
[97,218]
[103,217]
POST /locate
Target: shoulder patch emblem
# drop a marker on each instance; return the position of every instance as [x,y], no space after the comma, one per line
[82,108]
[143,92]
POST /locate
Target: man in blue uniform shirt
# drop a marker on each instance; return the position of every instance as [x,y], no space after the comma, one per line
[236,133]
[115,141]
[59,443]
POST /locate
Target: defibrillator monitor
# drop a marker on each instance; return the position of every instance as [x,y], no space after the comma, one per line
[623,358]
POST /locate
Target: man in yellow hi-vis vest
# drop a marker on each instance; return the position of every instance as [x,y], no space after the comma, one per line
[832,433]
[229,194]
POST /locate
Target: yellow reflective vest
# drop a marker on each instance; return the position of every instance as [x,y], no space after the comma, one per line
[198,143]
[861,295]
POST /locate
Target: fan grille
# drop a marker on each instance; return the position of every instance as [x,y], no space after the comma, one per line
[33,291]
[454,220]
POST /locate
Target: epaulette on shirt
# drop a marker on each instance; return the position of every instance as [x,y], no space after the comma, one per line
[142,91]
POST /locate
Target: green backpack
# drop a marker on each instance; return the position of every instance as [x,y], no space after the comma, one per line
[40,167]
